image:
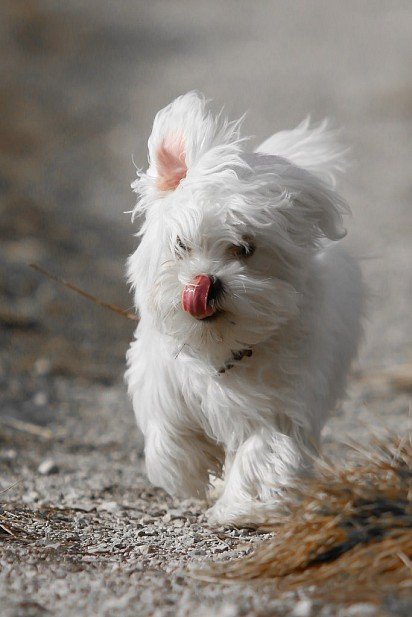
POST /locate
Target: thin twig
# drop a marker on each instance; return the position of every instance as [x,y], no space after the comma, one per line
[85,294]
[8,488]
[7,530]
[27,427]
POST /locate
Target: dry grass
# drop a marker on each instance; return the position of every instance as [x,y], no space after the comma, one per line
[348,533]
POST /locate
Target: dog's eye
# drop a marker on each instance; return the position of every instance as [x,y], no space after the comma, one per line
[181,247]
[241,251]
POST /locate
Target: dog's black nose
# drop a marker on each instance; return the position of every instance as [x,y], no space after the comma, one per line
[215,289]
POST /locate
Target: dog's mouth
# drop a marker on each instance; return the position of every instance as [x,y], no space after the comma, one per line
[200,297]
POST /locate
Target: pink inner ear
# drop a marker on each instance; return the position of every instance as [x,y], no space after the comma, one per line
[170,163]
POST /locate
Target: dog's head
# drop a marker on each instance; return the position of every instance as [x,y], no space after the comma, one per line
[226,236]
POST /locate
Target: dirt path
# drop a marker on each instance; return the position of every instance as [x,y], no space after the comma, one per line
[81,82]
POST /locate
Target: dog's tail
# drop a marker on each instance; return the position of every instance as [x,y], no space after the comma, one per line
[313,147]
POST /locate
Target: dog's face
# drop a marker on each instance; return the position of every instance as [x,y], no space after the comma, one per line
[215,287]
[222,252]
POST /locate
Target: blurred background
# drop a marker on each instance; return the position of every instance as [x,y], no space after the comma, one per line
[80,84]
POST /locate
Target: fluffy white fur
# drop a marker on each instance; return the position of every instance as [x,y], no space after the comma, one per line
[296,303]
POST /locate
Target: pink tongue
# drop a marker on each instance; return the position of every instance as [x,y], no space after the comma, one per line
[194,297]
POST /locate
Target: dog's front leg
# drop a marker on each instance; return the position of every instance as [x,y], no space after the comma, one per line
[179,460]
[262,468]
[178,455]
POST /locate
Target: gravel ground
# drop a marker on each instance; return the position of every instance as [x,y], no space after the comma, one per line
[83,533]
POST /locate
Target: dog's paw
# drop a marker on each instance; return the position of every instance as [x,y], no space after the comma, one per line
[216,488]
[222,515]
[248,514]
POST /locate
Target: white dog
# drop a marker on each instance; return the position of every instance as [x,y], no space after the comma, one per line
[250,315]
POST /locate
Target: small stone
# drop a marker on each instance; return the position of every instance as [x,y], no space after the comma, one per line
[40,399]
[149,549]
[30,497]
[42,366]
[228,609]
[219,549]
[178,522]
[8,455]
[303,608]
[361,609]
[148,520]
[109,506]
[48,467]
[82,522]
[81,507]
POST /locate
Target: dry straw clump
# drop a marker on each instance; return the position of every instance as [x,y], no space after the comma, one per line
[348,533]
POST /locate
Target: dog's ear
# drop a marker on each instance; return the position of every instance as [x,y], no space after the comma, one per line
[170,162]
[171,144]
[186,136]
[311,207]
[187,141]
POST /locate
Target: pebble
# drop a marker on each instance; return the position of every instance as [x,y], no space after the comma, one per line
[109,506]
[361,609]
[42,366]
[31,496]
[219,549]
[48,467]
[149,549]
[8,455]
[82,522]
[178,523]
[303,608]
[40,399]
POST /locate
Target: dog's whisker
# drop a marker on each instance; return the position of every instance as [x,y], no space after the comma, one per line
[184,342]
[172,309]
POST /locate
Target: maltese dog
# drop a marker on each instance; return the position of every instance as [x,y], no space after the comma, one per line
[249,307]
